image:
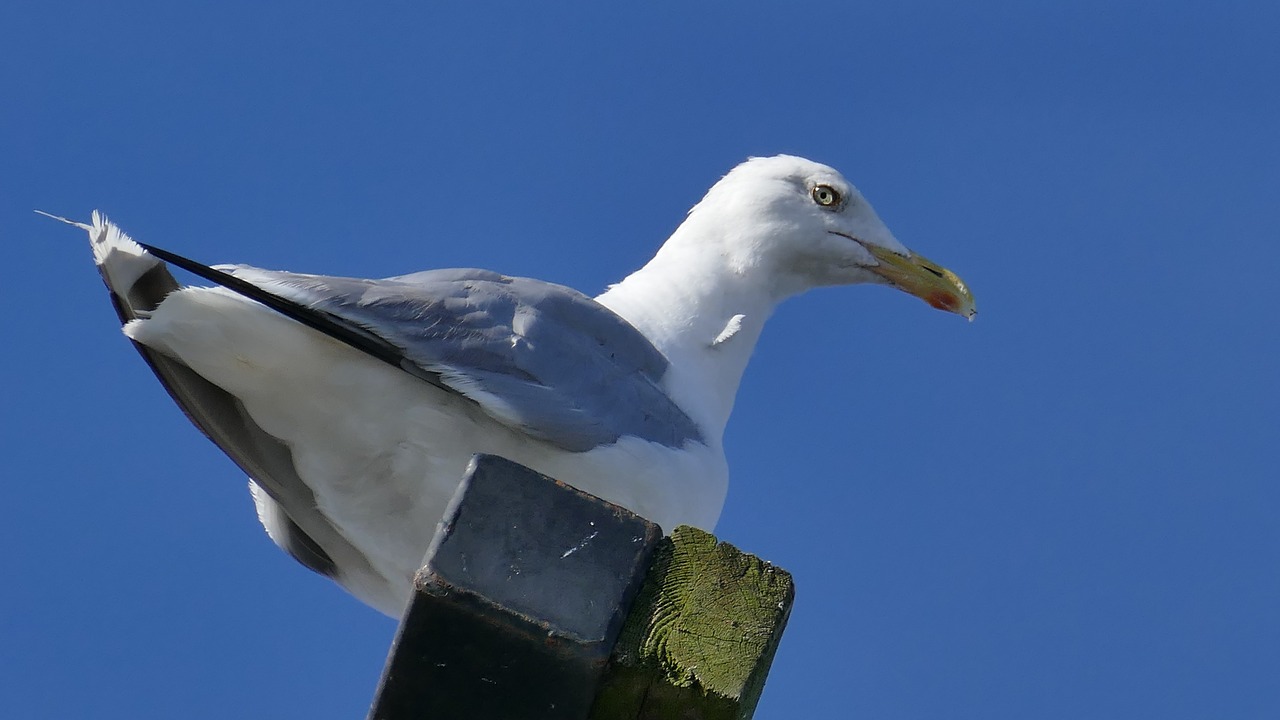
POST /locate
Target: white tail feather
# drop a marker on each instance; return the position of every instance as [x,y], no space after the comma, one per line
[121,260]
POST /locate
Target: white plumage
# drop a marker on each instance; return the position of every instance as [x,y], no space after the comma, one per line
[380,450]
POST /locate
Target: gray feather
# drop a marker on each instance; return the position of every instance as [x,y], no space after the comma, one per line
[545,358]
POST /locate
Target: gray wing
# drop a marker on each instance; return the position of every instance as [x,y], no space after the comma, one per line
[540,357]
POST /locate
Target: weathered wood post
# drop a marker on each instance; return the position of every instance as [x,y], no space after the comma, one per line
[537,600]
[700,637]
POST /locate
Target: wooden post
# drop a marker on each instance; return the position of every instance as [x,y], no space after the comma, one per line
[701,636]
[537,600]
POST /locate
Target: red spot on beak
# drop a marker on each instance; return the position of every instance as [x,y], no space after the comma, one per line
[943,301]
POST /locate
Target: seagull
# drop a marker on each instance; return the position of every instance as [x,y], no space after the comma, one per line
[355,405]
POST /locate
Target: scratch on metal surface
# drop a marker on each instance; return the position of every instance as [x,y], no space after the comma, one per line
[580,545]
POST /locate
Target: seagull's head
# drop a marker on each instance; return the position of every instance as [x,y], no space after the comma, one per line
[807,226]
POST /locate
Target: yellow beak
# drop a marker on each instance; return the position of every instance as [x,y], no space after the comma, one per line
[925,279]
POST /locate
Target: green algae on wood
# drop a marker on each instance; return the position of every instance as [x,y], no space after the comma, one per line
[700,638]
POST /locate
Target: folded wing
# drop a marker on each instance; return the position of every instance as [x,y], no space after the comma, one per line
[537,356]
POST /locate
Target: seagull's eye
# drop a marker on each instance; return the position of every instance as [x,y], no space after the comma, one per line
[826,196]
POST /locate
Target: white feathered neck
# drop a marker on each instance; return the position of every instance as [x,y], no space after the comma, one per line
[703,301]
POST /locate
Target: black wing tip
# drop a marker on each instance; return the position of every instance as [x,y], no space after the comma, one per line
[316,320]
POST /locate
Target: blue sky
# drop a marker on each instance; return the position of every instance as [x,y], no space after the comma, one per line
[1066,509]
